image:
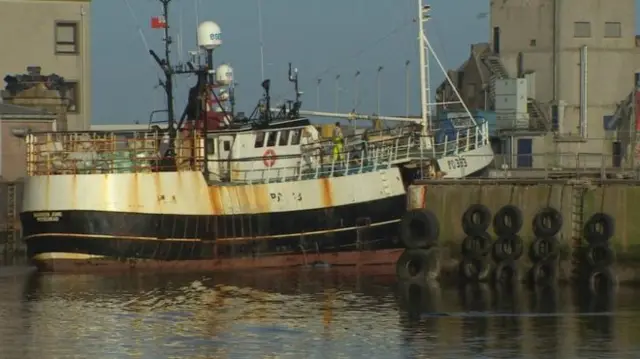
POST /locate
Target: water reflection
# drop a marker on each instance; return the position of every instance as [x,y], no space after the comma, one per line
[308,313]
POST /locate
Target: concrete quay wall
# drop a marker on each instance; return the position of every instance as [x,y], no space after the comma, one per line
[618,198]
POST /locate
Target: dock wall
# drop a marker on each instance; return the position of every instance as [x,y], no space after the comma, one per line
[618,198]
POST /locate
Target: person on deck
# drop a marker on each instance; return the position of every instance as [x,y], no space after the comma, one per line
[338,141]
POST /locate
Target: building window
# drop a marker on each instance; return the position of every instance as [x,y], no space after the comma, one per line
[73,96]
[532,42]
[612,29]
[66,36]
[581,29]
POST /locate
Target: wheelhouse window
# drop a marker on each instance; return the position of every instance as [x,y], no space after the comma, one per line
[295,137]
[259,140]
[284,138]
[273,137]
[227,145]
[66,37]
[211,149]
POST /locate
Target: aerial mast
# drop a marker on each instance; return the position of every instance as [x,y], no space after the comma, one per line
[425,91]
[165,65]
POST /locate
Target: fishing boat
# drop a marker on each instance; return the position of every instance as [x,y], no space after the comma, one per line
[221,191]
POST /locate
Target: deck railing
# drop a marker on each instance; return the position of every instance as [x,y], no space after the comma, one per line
[51,153]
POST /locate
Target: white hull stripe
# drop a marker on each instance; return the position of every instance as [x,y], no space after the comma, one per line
[280,236]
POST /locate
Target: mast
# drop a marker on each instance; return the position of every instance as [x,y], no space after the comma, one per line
[168,74]
[425,91]
[165,65]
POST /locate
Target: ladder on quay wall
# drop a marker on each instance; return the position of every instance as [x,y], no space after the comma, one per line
[10,230]
[579,189]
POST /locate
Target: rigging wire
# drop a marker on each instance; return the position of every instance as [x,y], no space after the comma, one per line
[137,24]
[357,54]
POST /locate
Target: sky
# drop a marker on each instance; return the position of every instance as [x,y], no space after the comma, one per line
[321,38]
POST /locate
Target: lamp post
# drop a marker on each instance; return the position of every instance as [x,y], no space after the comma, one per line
[406,87]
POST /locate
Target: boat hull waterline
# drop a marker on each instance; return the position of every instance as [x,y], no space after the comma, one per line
[173,220]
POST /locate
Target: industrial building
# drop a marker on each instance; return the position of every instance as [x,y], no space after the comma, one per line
[560,78]
[53,35]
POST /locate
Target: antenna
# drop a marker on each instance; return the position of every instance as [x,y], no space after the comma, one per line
[260,38]
[425,90]
[165,65]
[293,77]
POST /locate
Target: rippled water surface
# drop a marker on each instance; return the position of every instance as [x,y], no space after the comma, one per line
[306,313]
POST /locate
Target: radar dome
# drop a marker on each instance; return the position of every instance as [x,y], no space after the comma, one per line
[209,35]
[224,75]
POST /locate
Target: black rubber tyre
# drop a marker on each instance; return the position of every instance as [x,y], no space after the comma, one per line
[508,220]
[476,246]
[420,296]
[475,269]
[419,228]
[602,280]
[599,228]
[476,220]
[600,255]
[547,222]
[509,247]
[506,272]
[544,272]
[418,264]
[543,249]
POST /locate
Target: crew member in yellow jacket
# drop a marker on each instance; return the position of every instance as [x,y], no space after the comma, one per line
[338,142]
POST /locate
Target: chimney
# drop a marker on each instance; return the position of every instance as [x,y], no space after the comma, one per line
[37,91]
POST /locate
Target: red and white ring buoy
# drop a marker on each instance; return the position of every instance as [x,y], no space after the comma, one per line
[269,157]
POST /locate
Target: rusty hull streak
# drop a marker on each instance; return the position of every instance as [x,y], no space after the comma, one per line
[326,192]
[216,200]
[250,199]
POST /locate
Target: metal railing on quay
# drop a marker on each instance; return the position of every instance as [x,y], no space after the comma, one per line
[555,165]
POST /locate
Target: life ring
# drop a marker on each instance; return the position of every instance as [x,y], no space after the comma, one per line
[508,220]
[547,222]
[269,157]
[419,228]
[476,220]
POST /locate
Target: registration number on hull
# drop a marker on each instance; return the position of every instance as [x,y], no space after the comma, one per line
[47,216]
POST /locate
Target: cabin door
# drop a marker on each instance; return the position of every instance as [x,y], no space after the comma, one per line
[225,155]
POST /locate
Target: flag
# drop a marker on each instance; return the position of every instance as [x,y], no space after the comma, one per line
[158,22]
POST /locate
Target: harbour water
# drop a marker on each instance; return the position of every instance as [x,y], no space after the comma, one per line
[303,313]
